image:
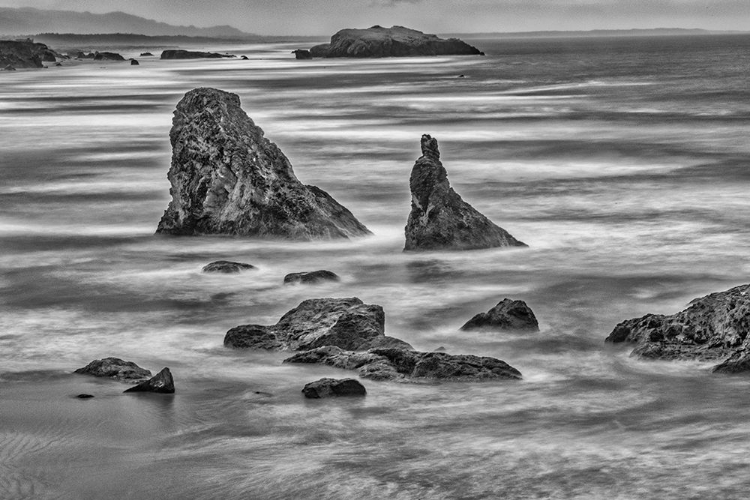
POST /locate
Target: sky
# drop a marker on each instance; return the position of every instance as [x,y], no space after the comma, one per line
[324,17]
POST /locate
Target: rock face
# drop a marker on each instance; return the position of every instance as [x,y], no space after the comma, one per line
[331,387]
[25,54]
[302,54]
[400,364]
[713,327]
[511,315]
[311,277]
[346,323]
[439,218]
[226,267]
[396,41]
[227,178]
[115,368]
[188,54]
[162,383]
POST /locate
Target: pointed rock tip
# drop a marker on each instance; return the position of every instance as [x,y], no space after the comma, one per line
[430,147]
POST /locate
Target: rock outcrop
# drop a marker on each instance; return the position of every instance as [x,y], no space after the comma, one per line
[115,368]
[134,62]
[310,278]
[439,218]
[396,41]
[227,178]
[507,315]
[331,387]
[226,267]
[146,54]
[302,54]
[25,54]
[714,327]
[190,54]
[346,323]
[404,365]
[162,383]
[108,56]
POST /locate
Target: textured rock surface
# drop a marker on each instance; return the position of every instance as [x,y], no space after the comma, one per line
[401,364]
[713,327]
[346,323]
[115,368]
[25,54]
[226,267]
[396,41]
[228,179]
[331,387]
[190,54]
[506,315]
[736,363]
[311,277]
[162,383]
[439,218]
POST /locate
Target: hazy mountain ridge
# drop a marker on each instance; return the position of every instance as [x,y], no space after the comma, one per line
[594,33]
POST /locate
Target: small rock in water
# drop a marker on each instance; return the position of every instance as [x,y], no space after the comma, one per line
[310,277]
[244,58]
[133,62]
[226,267]
[302,54]
[506,315]
[329,387]
[162,383]
[114,368]
[85,396]
[146,54]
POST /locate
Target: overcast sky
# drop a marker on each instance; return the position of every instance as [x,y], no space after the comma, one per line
[324,17]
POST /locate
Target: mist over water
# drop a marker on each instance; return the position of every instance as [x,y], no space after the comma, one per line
[622,163]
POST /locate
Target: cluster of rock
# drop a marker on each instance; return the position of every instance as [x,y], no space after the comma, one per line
[16,54]
[100,56]
[127,371]
[191,54]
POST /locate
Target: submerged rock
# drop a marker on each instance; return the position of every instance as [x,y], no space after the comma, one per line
[162,383]
[189,54]
[396,41]
[713,327]
[227,178]
[346,323]
[405,365]
[114,368]
[226,267]
[311,277]
[330,387]
[506,315]
[439,218]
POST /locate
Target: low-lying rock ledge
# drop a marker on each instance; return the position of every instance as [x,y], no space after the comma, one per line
[347,323]
[331,387]
[507,315]
[191,54]
[311,277]
[115,368]
[404,365]
[162,383]
[226,267]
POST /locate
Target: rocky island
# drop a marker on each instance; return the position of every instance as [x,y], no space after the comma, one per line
[25,54]
[396,41]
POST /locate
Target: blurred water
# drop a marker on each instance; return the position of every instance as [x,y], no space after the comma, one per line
[623,163]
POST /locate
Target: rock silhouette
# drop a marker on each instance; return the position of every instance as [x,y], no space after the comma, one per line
[226,267]
[331,387]
[162,383]
[506,315]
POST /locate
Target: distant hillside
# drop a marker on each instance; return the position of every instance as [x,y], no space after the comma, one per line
[29,21]
[593,33]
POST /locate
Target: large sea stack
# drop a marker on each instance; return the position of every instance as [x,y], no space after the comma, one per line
[227,178]
[396,41]
[439,218]
[25,54]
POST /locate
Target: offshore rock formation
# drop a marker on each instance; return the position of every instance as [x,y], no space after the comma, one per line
[331,387]
[310,278]
[189,54]
[404,365]
[115,368]
[302,54]
[439,218]
[226,267]
[108,56]
[509,315]
[162,383]
[227,178]
[346,323]
[25,54]
[396,41]
[713,327]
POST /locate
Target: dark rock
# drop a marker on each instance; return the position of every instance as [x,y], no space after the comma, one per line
[439,218]
[133,62]
[188,54]
[146,54]
[25,54]
[244,58]
[114,368]
[404,365]
[346,323]
[228,179]
[162,383]
[85,396]
[108,56]
[714,327]
[310,277]
[302,54]
[396,41]
[330,387]
[226,266]
[738,362]
[506,315]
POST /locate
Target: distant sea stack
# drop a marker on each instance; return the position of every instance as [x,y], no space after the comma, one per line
[227,178]
[396,41]
[25,54]
[188,54]
[439,218]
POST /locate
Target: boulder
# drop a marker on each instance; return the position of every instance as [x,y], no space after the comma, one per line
[162,383]
[227,178]
[108,56]
[133,62]
[346,323]
[311,277]
[330,387]
[509,315]
[115,368]
[405,365]
[226,267]
[396,41]
[189,54]
[714,327]
[302,54]
[439,218]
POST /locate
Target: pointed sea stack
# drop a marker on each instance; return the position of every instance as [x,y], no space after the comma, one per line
[227,178]
[439,218]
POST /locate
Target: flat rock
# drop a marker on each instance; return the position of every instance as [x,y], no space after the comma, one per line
[226,267]
[115,368]
[162,383]
[311,277]
[404,365]
[330,387]
[440,219]
[227,178]
[146,54]
[190,54]
[347,323]
[507,315]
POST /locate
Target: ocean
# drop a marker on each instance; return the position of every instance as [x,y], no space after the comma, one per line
[622,162]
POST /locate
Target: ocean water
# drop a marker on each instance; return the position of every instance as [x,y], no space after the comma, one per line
[622,162]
